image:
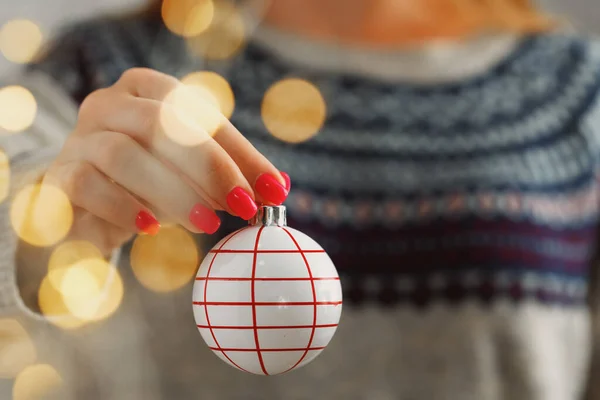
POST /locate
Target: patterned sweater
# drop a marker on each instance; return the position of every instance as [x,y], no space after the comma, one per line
[457,194]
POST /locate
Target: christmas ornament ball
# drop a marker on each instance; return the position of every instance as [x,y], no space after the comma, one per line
[267,298]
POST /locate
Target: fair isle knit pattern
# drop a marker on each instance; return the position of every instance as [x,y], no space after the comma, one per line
[484,188]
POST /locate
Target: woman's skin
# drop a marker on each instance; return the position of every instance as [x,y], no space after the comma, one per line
[124,176]
[119,167]
[397,24]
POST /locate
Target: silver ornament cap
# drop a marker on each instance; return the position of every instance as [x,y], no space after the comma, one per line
[269,216]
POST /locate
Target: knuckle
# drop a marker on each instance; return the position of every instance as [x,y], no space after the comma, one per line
[92,105]
[149,117]
[112,150]
[142,75]
[78,179]
[146,82]
[133,74]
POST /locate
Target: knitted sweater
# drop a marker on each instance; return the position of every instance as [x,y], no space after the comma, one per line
[455,189]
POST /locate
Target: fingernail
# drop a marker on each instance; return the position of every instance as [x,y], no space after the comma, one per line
[204,219]
[270,189]
[146,223]
[288,182]
[241,203]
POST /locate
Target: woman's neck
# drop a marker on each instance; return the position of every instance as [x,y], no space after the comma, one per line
[329,18]
[376,23]
[434,63]
[403,23]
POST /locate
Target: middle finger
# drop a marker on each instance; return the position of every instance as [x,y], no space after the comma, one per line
[193,153]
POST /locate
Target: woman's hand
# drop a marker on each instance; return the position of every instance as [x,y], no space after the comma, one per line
[122,169]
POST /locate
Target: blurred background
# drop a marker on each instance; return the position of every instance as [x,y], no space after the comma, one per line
[581,13]
[49,16]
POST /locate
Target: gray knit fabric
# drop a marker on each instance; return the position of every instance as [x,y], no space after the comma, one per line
[533,347]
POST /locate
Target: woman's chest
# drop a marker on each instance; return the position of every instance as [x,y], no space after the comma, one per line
[415,218]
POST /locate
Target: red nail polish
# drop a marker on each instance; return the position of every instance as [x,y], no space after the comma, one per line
[204,219]
[146,223]
[270,189]
[241,203]
[288,182]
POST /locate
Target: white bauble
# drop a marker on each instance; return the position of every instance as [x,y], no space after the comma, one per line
[267,298]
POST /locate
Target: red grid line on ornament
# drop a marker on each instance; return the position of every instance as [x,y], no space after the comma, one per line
[253,298]
[314,294]
[253,303]
[243,327]
[212,333]
[286,349]
[260,251]
[267,303]
[283,279]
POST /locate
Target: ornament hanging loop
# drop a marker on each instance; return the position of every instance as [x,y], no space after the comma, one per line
[269,216]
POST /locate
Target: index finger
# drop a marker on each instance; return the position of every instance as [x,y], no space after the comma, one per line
[270,185]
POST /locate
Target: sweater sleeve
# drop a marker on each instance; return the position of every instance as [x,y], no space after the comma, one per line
[59,81]
[27,155]
[590,128]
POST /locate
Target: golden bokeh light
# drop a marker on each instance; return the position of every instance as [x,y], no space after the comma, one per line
[41,215]
[37,382]
[224,37]
[165,262]
[88,290]
[91,289]
[20,40]
[17,109]
[4,176]
[216,85]
[67,254]
[112,297]
[16,348]
[88,287]
[52,306]
[190,115]
[293,110]
[81,287]
[187,18]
